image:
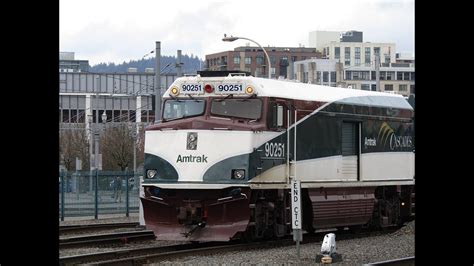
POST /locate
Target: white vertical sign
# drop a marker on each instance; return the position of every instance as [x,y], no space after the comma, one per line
[296,204]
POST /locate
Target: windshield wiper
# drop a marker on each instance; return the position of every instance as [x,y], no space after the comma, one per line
[194,99]
[174,98]
[225,98]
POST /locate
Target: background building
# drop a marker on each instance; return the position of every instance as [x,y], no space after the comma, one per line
[253,60]
[351,36]
[319,71]
[319,39]
[127,97]
[396,79]
[67,63]
[349,62]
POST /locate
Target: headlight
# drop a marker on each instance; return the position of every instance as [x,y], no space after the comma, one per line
[238,174]
[150,173]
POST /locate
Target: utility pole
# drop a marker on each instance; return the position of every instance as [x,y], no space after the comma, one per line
[134,154]
[91,147]
[178,65]
[96,134]
[377,71]
[157,83]
[133,134]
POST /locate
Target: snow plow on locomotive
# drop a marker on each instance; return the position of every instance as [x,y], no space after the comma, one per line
[219,165]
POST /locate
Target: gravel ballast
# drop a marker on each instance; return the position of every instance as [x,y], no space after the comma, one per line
[358,251]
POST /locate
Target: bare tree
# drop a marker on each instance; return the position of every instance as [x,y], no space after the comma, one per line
[117,147]
[73,143]
[140,146]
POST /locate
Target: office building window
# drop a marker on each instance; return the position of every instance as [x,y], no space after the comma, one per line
[402,87]
[373,87]
[376,50]
[337,52]
[365,75]
[236,60]
[412,76]
[73,118]
[390,75]
[367,56]
[272,60]
[412,89]
[333,76]
[406,75]
[357,56]
[248,60]
[325,76]
[348,75]
[387,58]
[399,75]
[347,56]
[388,87]
[365,87]
[373,75]
[81,116]
[355,75]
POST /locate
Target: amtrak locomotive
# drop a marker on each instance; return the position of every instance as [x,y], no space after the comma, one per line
[219,165]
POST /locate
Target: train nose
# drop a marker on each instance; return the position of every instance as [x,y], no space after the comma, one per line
[191,214]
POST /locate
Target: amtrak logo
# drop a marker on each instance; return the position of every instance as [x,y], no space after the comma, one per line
[387,134]
[192,141]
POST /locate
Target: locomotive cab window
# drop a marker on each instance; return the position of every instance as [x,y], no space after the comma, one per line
[237,108]
[277,115]
[176,109]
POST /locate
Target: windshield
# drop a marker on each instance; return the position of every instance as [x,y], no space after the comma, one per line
[241,108]
[175,109]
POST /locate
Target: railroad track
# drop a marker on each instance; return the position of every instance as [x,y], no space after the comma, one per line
[399,262]
[95,227]
[139,256]
[121,237]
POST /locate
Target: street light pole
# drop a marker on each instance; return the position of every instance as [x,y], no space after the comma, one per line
[231,39]
[157,83]
[377,72]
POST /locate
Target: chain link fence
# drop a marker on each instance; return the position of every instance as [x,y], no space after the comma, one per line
[94,193]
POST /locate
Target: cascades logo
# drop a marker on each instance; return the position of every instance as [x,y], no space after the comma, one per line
[387,134]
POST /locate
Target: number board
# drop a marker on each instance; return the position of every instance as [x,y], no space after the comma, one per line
[191,88]
[229,88]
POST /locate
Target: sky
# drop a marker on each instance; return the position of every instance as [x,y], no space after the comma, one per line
[119,30]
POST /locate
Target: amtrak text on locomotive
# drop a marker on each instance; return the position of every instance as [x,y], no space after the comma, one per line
[191,159]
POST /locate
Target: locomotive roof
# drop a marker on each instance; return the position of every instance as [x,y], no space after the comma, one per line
[302,91]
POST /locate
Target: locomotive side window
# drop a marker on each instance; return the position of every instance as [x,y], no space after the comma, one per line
[277,115]
[176,109]
[238,108]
